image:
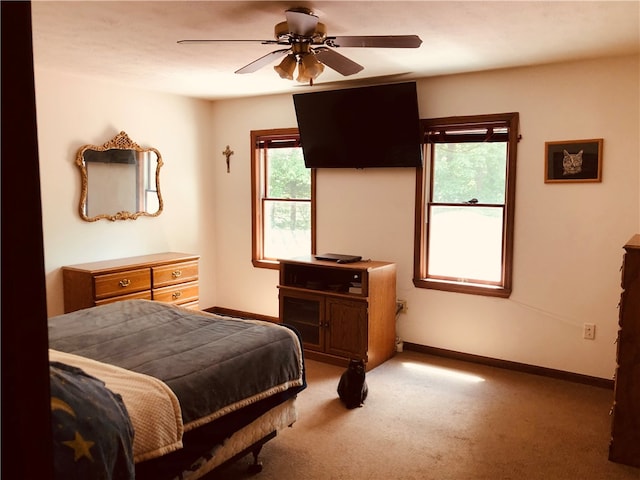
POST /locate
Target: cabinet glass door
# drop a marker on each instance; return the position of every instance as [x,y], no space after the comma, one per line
[304,313]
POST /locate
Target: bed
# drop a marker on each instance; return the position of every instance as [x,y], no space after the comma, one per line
[143,389]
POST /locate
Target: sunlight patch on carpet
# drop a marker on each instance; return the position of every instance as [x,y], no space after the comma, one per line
[443,372]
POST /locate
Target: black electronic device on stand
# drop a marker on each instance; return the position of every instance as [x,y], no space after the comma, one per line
[339,258]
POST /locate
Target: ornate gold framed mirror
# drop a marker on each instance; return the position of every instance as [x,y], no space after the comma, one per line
[120,180]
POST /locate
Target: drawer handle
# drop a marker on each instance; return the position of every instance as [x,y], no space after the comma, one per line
[125,282]
[176,295]
[176,273]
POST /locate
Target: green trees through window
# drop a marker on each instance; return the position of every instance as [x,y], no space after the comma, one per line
[288,179]
[465,200]
[283,206]
[467,171]
[287,204]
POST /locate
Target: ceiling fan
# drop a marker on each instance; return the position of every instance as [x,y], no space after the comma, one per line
[309,48]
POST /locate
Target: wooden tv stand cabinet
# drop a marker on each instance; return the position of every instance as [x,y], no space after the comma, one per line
[339,321]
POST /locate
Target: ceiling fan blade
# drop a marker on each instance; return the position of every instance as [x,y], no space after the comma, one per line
[301,23]
[337,62]
[201,41]
[377,41]
[262,61]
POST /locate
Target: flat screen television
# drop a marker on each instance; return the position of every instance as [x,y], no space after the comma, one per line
[365,127]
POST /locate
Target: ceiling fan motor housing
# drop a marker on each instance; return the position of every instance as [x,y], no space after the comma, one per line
[285,35]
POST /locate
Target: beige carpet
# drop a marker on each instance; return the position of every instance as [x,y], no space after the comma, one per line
[432,418]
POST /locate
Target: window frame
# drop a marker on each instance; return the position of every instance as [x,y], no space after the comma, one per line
[258,185]
[424,187]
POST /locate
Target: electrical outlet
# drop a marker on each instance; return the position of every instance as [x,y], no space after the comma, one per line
[589,331]
[401,306]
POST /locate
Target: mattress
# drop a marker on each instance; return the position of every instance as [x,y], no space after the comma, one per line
[225,372]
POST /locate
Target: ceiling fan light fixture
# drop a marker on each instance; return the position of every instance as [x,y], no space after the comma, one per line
[281,32]
[320,35]
[312,66]
[302,77]
[286,68]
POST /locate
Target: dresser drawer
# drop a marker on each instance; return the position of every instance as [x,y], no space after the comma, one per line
[122,283]
[144,295]
[174,273]
[178,294]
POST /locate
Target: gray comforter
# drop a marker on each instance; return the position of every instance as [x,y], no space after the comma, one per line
[214,364]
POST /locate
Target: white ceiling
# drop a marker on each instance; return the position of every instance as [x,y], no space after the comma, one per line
[134,43]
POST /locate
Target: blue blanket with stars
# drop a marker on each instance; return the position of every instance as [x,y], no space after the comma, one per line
[92,433]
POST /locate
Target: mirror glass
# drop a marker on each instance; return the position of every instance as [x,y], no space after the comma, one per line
[120,180]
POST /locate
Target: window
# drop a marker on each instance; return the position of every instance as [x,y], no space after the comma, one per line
[465,199]
[283,198]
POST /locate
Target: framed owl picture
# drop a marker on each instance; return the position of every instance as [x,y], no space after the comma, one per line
[573,161]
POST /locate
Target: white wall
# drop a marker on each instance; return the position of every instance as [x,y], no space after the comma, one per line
[568,238]
[240,285]
[73,112]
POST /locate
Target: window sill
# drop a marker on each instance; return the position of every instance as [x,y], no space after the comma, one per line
[271,264]
[460,287]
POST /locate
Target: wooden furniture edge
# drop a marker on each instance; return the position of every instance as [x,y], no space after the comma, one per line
[128,263]
[229,312]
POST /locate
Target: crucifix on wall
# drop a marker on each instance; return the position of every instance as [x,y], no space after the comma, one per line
[227,153]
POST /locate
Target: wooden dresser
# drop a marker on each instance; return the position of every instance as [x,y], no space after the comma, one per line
[165,277]
[625,428]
